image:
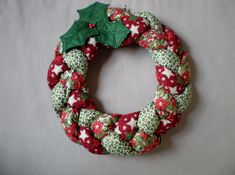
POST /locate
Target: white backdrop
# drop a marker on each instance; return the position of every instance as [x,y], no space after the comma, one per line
[32,141]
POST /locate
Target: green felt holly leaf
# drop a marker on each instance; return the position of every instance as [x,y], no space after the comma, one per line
[94,22]
[93,13]
[77,35]
[111,33]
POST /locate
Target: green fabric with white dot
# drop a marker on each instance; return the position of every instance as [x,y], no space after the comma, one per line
[76,60]
[59,96]
[114,144]
[166,58]
[148,120]
[87,116]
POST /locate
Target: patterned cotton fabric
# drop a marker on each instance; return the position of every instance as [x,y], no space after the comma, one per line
[122,134]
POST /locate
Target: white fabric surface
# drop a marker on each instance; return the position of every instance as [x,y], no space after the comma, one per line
[32,141]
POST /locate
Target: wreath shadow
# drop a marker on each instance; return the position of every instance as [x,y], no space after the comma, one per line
[103,54]
[95,68]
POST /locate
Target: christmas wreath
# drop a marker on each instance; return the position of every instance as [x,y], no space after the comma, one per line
[118,134]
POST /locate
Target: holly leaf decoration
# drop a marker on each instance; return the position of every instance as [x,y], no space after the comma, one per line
[94,22]
[111,33]
[77,35]
[94,13]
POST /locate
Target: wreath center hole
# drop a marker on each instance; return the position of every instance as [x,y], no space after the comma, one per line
[122,80]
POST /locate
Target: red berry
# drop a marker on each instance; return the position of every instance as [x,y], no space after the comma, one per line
[91,26]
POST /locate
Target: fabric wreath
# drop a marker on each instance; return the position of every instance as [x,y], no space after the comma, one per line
[118,134]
